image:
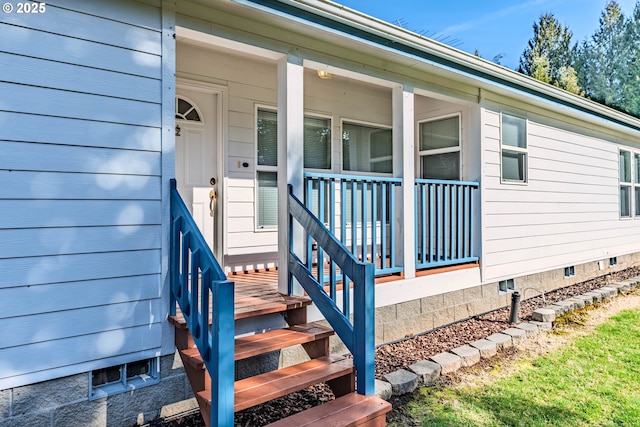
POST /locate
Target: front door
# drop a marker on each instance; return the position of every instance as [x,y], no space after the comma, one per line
[196,158]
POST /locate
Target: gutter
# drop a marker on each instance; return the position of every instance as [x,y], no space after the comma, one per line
[341,20]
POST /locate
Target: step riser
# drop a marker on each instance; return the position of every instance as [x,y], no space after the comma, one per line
[268,321]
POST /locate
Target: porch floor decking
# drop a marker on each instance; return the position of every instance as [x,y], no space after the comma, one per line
[256,293]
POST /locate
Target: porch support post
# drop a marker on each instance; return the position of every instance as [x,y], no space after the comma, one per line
[290,158]
[404,167]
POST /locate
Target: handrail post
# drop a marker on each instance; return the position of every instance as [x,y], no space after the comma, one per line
[197,280]
[364,333]
[221,344]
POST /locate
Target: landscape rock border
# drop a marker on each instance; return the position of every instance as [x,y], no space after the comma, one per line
[426,372]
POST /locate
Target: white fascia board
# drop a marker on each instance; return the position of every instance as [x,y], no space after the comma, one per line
[489,75]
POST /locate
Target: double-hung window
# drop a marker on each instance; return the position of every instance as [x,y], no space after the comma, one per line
[366,148]
[439,148]
[266,170]
[513,141]
[636,184]
[626,184]
[317,155]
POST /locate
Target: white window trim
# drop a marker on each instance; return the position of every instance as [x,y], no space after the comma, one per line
[629,185]
[635,183]
[379,159]
[512,149]
[458,149]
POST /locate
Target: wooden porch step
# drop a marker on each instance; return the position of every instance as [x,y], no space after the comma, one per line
[277,339]
[262,388]
[350,410]
[248,306]
[265,342]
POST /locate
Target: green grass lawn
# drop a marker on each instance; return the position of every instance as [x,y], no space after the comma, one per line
[594,381]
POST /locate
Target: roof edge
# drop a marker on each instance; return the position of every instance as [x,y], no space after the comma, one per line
[351,22]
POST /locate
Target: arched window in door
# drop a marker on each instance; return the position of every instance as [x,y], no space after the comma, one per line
[186,110]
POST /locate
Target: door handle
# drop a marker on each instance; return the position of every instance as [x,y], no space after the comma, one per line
[213,201]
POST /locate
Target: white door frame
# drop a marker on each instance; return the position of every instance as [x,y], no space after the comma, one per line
[221,148]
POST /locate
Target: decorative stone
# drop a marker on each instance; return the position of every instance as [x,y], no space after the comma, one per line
[597,296]
[587,299]
[543,326]
[517,335]
[558,310]
[383,389]
[612,292]
[578,303]
[447,361]
[621,286]
[568,306]
[469,355]
[544,315]
[502,341]
[529,328]
[426,370]
[487,348]
[402,381]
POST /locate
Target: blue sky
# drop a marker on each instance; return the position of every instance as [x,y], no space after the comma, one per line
[493,27]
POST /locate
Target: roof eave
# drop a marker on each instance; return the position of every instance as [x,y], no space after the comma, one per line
[405,42]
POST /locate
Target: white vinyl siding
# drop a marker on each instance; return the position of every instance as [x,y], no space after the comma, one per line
[568,214]
[80,260]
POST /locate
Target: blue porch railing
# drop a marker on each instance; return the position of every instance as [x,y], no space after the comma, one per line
[361,212]
[359,335]
[201,289]
[444,222]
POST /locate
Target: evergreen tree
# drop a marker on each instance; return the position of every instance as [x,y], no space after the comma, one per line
[603,59]
[550,48]
[631,87]
[568,80]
